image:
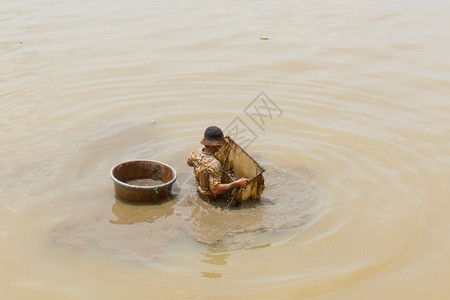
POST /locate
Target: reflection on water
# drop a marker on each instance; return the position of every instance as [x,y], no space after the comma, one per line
[215,258]
[211,275]
[128,213]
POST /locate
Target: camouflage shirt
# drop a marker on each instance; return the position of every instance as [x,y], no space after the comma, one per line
[207,170]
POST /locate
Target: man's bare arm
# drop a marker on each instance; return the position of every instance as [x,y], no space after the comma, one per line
[225,188]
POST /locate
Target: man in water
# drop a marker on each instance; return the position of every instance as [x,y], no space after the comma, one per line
[207,168]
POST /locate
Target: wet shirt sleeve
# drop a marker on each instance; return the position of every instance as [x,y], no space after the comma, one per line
[193,157]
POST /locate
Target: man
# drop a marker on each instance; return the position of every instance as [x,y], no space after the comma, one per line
[207,168]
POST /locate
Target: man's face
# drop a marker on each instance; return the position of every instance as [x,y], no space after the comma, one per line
[216,148]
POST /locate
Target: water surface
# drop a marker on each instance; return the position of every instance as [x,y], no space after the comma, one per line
[352,129]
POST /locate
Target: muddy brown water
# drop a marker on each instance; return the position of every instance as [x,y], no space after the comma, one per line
[145,182]
[353,131]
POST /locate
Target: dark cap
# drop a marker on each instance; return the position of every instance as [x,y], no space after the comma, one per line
[213,137]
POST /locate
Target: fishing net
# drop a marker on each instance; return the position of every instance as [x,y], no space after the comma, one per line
[237,163]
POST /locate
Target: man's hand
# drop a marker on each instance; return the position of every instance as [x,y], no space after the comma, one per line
[242,182]
[224,188]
